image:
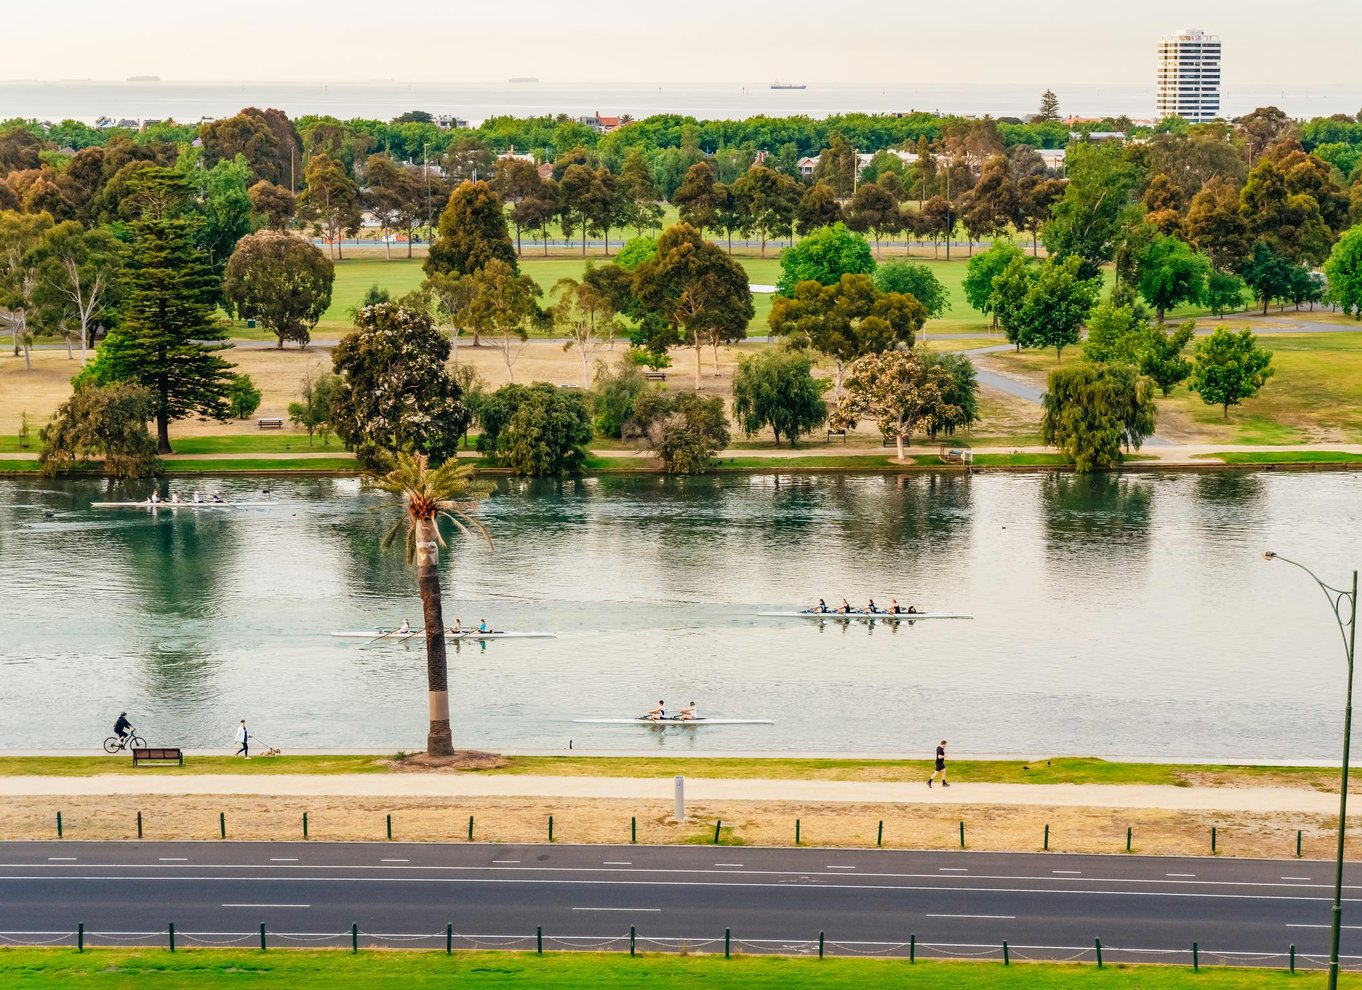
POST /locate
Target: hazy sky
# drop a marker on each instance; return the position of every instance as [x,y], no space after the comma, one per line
[873,41]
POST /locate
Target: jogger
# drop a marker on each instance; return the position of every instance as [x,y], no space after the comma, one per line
[940,765]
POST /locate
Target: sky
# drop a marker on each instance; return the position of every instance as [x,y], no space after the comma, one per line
[1050,42]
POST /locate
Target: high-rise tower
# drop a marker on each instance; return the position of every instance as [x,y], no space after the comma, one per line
[1189,76]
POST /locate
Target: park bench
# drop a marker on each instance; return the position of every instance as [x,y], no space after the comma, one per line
[956,456]
[157,754]
[270,423]
[837,433]
[655,376]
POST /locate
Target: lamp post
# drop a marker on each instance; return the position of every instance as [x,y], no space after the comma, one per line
[1347,628]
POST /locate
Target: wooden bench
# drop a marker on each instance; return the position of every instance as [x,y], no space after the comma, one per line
[655,376]
[270,423]
[160,754]
[837,433]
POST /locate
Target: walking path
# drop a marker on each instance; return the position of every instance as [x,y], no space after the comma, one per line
[471,785]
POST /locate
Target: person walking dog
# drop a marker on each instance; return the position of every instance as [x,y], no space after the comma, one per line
[243,740]
[940,765]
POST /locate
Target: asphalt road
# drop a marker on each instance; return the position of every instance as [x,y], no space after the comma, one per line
[212,891]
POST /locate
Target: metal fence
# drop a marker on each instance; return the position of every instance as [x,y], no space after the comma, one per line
[356,939]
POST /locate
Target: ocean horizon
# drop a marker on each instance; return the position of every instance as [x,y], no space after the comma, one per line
[188,102]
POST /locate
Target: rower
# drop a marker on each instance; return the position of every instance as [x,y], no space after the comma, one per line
[404,628]
[483,627]
[822,607]
[174,498]
[688,713]
[456,629]
[217,497]
[894,607]
[198,498]
[845,608]
[914,610]
[658,713]
[155,498]
[870,608]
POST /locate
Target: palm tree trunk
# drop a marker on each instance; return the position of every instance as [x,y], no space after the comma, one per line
[440,741]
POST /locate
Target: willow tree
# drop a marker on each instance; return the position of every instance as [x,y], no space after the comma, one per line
[446,494]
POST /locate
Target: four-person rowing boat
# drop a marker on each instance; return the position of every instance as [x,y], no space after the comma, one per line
[864,616]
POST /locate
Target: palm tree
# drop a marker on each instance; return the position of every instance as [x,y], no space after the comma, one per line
[446,493]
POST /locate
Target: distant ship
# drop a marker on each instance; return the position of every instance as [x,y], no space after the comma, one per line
[144,78]
[523,79]
[780,85]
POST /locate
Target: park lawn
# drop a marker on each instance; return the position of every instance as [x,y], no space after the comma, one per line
[817,462]
[19,467]
[343,462]
[1284,457]
[252,443]
[304,969]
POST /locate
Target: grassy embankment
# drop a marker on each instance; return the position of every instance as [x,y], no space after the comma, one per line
[300,969]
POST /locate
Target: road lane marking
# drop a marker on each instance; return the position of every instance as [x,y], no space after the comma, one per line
[174,859]
[1179,874]
[267,905]
[1076,873]
[1295,878]
[617,862]
[831,866]
[1351,928]
[952,869]
[394,861]
[653,910]
[504,862]
[728,864]
[63,859]
[985,917]
[283,859]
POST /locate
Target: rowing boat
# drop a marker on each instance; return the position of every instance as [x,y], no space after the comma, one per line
[180,505]
[385,634]
[674,721]
[866,616]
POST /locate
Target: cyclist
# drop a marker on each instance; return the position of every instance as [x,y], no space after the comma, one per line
[122,728]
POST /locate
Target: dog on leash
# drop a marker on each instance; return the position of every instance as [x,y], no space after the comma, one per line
[271,751]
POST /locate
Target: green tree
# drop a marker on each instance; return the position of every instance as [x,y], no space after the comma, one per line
[1162,360]
[1056,305]
[1224,292]
[993,206]
[690,430]
[769,201]
[587,316]
[80,273]
[777,389]
[517,182]
[1170,273]
[837,165]
[1116,335]
[960,401]
[1216,226]
[282,281]
[537,430]
[168,339]
[876,209]
[1007,300]
[107,423]
[581,195]
[243,398]
[1049,107]
[1091,411]
[639,194]
[274,204]
[917,281]
[1344,272]
[1268,275]
[1096,205]
[696,290]
[433,496]
[471,233]
[1229,368]
[901,392]
[224,208]
[981,272]
[1289,222]
[818,208]
[330,200]
[696,200]
[502,308]
[613,397]
[396,394]
[313,410]
[824,256]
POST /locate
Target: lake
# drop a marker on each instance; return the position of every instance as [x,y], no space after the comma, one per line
[1121,616]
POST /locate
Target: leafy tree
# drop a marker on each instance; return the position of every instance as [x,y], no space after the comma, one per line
[1091,411]
[266,140]
[396,395]
[916,281]
[330,200]
[1162,360]
[769,201]
[1037,195]
[537,430]
[1007,300]
[696,200]
[636,252]
[688,431]
[1049,107]
[937,219]
[433,496]
[382,196]
[876,209]
[502,308]
[1162,201]
[614,395]
[824,256]
[1170,273]
[472,232]
[243,398]
[313,411]
[168,339]
[275,204]
[107,423]
[582,197]
[1056,305]
[1268,275]
[587,316]
[993,206]
[837,165]
[1230,367]
[1116,335]
[961,399]
[902,392]
[80,273]
[224,208]
[696,290]
[981,272]
[639,194]
[1288,222]
[1095,207]
[777,389]
[818,208]
[1263,128]
[282,281]
[847,320]
[518,182]
[1216,226]
[1344,272]
[1224,292]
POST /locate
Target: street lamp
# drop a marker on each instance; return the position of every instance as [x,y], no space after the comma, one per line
[1347,628]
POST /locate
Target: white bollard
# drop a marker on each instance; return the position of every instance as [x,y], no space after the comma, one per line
[680,798]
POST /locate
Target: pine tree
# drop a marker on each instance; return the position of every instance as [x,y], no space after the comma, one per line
[169,338]
[1049,106]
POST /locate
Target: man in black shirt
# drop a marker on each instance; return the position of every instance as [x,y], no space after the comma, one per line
[122,727]
[940,766]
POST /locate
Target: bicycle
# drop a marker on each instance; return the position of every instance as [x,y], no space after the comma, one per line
[113,744]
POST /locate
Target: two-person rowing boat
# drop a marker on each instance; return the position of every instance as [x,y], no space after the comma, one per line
[659,714]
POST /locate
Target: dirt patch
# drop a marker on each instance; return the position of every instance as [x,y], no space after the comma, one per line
[465,759]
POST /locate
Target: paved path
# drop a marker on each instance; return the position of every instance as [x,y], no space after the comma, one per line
[473,785]
[955,904]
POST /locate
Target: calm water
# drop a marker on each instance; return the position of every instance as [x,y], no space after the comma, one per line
[1118,616]
[188,101]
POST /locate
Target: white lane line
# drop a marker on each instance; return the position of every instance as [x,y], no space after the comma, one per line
[267,905]
[617,862]
[394,861]
[1295,878]
[61,859]
[504,862]
[1352,928]
[728,864]
[1076,873]
[283,859]
[952,869]
[653,910]
[831,866]
[1179,874]
[987,917]
[173,859]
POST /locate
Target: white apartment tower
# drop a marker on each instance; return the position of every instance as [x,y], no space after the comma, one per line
[1189,76]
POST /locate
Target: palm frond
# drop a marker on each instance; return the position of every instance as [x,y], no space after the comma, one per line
[448,492]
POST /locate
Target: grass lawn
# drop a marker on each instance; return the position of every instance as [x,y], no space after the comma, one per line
[250,443]
[211,466]
[19,467]
[1284,457]
[297,969]
[1058,770]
